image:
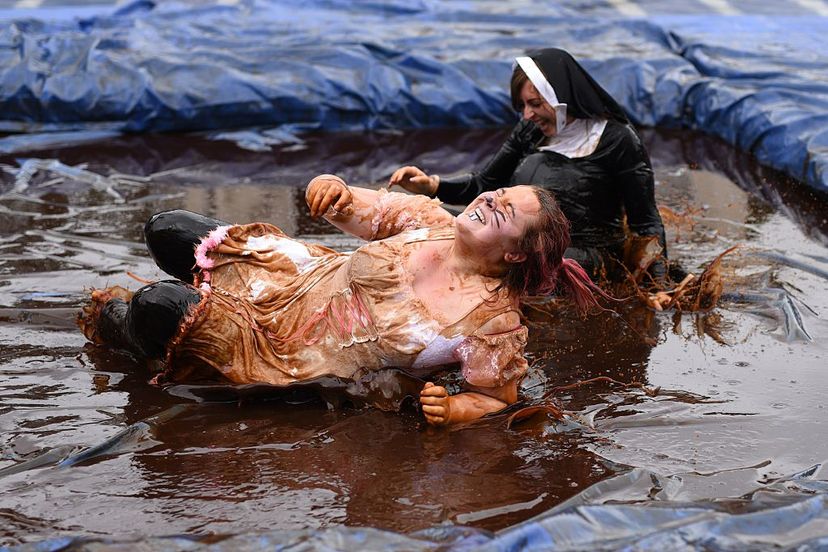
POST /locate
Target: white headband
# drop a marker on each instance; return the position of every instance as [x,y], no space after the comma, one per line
[536,77]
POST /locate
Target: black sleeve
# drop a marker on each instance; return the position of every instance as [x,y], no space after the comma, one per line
[632,169]
[497,173]
[635,176]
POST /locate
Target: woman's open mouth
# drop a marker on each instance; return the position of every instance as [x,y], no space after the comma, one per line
[477,215]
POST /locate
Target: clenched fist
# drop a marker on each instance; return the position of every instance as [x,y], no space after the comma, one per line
[436,405]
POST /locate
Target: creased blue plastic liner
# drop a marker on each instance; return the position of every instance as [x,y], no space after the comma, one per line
[788,514]
[758,82]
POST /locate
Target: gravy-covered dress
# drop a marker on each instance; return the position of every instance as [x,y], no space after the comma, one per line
[276,310]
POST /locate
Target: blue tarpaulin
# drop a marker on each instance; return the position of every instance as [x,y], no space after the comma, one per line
[760,82]
[788,514]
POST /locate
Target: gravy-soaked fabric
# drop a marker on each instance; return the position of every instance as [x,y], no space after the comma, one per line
[277,310]
[493,360]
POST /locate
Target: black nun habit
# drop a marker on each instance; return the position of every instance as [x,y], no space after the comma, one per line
[595,164]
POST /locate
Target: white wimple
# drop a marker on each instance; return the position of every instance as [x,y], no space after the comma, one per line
[536,77]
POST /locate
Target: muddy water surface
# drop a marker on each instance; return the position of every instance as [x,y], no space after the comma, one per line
[743,396]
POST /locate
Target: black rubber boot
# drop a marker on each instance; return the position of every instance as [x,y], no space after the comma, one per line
[172,237]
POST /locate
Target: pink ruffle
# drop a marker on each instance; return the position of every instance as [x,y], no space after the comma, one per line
[213,239]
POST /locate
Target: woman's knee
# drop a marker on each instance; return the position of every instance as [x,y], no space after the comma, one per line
[156,312]
[178,222]
[164,221]
[171,238]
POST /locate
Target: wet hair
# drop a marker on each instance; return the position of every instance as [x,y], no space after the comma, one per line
[545,269]
[519,78]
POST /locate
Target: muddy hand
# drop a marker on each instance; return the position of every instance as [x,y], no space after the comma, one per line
[659,300]
[414,180]
[436,404]
[664,299]
[328,191]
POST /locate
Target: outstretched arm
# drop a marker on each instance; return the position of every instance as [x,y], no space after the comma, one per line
[440,408]
[370,214]
[462,189]
[492,363]
[635,177]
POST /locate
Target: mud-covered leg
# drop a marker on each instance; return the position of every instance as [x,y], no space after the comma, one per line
[143,325]
[172,237]
[155,314]
[111,327]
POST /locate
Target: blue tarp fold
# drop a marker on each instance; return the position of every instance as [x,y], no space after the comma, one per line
[759,82]
[788,514]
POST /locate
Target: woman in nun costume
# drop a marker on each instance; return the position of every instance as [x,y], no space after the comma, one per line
[574,140]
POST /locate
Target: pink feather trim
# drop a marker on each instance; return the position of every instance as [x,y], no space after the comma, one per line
[213,239]
[202,261]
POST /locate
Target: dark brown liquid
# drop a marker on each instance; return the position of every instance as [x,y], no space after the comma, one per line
[743,396]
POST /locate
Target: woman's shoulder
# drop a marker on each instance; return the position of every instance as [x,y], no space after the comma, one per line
[496,314]
[427,233]
[507,322]
[618,133]
[393,247]
[619,141]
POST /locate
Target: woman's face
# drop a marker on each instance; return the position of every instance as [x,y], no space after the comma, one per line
[494,222]
[537,110]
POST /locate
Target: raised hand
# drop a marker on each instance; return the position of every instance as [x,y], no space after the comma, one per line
[329,191]
[414,180]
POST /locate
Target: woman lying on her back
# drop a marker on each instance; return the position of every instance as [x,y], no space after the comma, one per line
[426,290]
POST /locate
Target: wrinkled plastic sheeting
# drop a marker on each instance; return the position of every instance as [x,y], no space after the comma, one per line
[802,525]
[758,82]
[762,86]
[787,514]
